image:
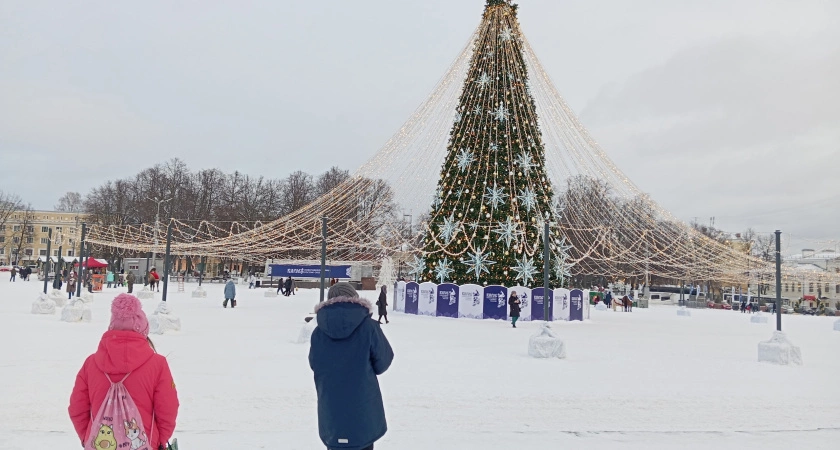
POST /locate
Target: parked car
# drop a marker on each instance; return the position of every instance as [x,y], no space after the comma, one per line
[5,268]
[787,309]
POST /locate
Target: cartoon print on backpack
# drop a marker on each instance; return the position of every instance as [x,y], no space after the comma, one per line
[104,439]
[134,434]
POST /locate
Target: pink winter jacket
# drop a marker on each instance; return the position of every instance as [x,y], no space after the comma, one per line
[150,385]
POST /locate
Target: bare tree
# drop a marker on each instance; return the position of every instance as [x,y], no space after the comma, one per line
[298,191]
[70,202]
[23,232]
[330,179]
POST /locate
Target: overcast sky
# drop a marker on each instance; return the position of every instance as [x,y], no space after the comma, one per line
[725,108]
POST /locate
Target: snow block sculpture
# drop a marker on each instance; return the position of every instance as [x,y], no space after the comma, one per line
[759,318]
[779,350]
[601,306]
[199,292]
[87,297]
[76,311]
[837,325]
[43,305]
[306,332]
[59,297]
[270,293]
[145,293]
[162,320]
[546,344]
[682,311]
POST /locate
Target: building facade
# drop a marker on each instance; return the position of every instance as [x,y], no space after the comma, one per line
[24,236]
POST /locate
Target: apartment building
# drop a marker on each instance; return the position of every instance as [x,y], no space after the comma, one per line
[24,236]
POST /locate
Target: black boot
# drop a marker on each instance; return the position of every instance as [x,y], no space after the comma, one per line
[224,303]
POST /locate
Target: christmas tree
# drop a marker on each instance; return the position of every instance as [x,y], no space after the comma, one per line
[494,196]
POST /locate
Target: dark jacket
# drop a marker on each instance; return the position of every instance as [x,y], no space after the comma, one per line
[348,350]
[382,304]
[514,307]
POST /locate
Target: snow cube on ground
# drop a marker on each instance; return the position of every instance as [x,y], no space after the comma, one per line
[305,334]
[270,293]
[76,311]
[44,305]
[163,320]
[837,325]
[145,294]
[199,292]
[601,306]
[59,297]
[759,318]
[546,344]
[779,350]
[641,381]
[682,311]
[87,297]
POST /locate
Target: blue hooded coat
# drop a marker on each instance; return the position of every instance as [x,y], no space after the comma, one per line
[230,290]
[348,350]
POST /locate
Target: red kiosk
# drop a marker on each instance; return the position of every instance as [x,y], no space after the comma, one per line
[96,280]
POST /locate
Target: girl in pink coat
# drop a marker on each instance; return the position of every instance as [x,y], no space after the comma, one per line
[126,349]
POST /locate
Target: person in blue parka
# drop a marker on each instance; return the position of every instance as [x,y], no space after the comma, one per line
[230,294]
[348,351]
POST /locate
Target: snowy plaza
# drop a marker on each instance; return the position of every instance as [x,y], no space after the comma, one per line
[646,379]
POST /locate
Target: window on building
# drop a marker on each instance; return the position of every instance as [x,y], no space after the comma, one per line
[810,287]
[786,287]
[45,229]
[2,227]
[55,253]
[3,252]
[42,252]
[57,228]
[28,252]
[16,228]
[837,291]
[44,240]
[827,288]
[29,240]
[2,238]
[70,253]
[30,229]
[16,240]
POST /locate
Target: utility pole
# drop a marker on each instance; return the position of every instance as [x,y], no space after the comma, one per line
[778,280]
[323,255]
[166,260]
[546,258]
[47,262]
[81,261]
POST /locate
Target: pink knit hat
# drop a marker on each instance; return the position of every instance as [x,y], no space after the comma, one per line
[127,315]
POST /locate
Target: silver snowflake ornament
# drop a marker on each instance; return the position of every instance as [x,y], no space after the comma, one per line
[458,117]
[525,270]
[479,263]
[562,270]
[495,195]
[508,232]
[483,80]
[525,162]
[494,147]
[443,270]
[416,266]
[501,113]
[506,34]
[477,110]
[528,198]
[449,228]
[465,158]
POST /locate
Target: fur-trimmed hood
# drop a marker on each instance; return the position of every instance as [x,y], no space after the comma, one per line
[339,317]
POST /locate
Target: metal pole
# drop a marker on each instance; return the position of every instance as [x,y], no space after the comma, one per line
[778,280]
[146,277]
[546,259]
[81,258]
[323,255]
[47,262]
[201,272]
[157,232]
[59,266]
[166,260]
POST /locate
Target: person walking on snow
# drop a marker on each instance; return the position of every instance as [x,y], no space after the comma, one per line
[154,280]
[382,303]
[126,353]
[14,274]
[129,279]
[348,350]
[251,280]
[71,285]
[290,286]
[109,278]
[230,294]
[515,309]
[280,287]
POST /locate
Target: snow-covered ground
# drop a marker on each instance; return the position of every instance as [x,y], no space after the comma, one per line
[641,380]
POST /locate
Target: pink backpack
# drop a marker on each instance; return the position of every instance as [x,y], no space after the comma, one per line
[117,425]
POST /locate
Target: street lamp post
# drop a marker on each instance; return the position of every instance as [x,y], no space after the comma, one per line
[157,223]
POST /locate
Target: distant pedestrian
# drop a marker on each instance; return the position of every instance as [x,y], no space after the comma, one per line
[251,280]
[515,308]
[14,274]
[348,351]
[71,285]
[129,279]
[230,294]
[109,278]
[280,287]
[608,298]
[290,285]
[154,280]
[382,303]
